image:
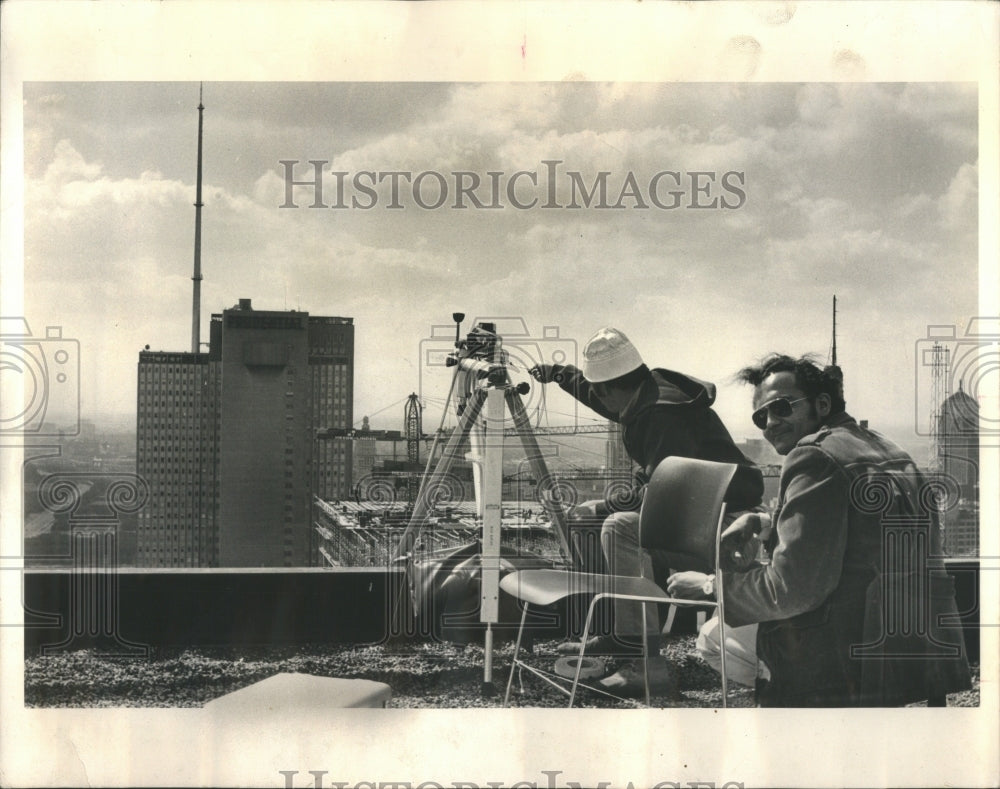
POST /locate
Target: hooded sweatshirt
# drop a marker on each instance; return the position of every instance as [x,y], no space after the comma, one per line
[671,414]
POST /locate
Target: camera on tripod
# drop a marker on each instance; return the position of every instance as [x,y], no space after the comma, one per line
[479,352]
[480,343]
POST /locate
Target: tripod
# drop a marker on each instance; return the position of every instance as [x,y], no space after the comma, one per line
[481,366]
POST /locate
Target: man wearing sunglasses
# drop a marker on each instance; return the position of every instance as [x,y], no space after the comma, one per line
[662,413]
[854,605]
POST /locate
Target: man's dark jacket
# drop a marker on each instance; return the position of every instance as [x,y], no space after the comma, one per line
[854,606]
[671,414]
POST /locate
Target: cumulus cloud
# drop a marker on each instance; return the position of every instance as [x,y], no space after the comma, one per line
[866,190]
[958,203]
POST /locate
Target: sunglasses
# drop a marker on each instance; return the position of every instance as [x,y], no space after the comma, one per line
[779,407]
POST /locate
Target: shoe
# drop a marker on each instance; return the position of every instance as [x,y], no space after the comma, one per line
[629,680]
[611,646]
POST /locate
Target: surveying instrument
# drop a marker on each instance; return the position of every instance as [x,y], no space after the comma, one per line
[482,378]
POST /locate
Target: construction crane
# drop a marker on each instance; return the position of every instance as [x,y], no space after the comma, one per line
[414,430]
[565,430]
[411,432]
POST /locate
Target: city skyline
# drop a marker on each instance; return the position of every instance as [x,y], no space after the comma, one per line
[867,133]
[791,194]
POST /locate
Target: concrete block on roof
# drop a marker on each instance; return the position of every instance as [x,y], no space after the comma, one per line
[302,693]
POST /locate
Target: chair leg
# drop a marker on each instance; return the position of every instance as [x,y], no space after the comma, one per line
[517,655]
[722,641]
[671,613]
[583,649]
[645,656]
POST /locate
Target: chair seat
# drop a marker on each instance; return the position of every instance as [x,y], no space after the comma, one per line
[682,511]
[544,587]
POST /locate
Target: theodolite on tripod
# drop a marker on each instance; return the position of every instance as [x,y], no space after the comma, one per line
[481,370]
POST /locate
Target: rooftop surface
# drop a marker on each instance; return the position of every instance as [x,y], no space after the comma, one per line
[420,674]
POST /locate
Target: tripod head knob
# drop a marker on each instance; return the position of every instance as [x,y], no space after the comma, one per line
[523,388]
[494,374]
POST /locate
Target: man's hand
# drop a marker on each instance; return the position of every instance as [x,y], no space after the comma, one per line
[586,510]
[543,373]
[589,509]
[741,529]
[688,585]
[740,545]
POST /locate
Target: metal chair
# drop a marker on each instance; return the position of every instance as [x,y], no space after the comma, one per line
[683,512]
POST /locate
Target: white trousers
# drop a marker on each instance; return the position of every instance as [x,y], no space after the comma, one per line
[742,665]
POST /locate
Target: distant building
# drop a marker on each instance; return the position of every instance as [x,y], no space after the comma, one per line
[616,456]
[958,459]
[365,452]
[760,452]
[226,440]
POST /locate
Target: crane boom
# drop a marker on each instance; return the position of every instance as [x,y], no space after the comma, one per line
[564,430]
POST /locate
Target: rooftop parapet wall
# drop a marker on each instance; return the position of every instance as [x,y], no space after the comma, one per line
[272,607]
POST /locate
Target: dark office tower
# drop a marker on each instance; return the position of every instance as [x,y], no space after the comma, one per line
[264,440]
[176,456]
[228,438]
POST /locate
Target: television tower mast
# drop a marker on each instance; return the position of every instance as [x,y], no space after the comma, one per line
[833,350]
[834,369]
[196,303]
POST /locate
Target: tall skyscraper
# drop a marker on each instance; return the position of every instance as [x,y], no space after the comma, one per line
[958,459]
[227,439]
[176,455]
[331,378]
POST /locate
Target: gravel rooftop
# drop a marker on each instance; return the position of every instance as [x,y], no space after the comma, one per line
[421,675]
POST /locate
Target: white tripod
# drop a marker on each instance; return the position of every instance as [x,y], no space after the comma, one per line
[480,365]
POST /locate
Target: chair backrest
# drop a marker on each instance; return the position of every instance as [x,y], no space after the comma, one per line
[682,506]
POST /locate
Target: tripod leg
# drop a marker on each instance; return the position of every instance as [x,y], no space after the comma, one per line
[430,483]
[537,462]
[488,688]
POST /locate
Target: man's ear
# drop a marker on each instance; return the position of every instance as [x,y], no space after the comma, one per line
[823,405]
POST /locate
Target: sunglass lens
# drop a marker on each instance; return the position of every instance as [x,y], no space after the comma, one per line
[780,408]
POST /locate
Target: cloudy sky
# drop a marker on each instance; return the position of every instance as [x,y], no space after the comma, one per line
[863,190]
[857,141]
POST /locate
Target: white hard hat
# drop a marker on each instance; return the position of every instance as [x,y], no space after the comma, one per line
[609,354]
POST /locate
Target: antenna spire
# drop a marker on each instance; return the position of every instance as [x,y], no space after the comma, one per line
[833,351]
[196,279]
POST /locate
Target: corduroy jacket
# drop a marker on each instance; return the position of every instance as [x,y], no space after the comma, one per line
[854,605]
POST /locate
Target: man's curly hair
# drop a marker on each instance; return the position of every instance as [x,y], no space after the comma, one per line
[812,379]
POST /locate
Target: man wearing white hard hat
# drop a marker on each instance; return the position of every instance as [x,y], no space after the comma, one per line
[662,413]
